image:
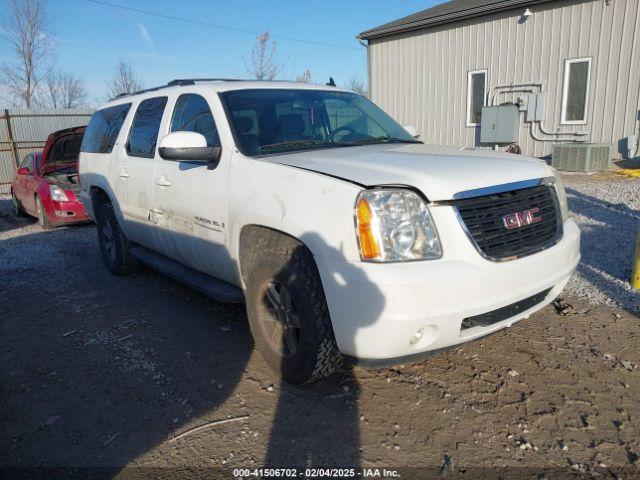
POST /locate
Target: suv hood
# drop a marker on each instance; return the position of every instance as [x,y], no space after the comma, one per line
[439,172]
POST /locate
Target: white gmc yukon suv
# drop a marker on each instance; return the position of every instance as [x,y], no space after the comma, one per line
[343,234]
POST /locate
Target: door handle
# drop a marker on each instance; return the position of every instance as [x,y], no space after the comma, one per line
[123,173]
[163,182]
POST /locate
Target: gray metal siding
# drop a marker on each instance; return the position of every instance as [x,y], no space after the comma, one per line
[420,78]
[30,129]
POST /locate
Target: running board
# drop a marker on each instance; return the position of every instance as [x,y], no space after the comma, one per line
[212,287]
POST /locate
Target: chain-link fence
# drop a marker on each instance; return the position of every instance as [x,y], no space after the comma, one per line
[26,131]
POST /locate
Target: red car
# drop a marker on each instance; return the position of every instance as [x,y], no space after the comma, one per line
[46,183]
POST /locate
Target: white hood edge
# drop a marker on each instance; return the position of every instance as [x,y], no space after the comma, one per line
[438,172]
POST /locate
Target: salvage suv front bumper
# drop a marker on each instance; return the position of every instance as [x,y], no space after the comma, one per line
[391,313]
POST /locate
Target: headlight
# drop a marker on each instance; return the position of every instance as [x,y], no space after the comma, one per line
[57,194]
[394,225]
[562,195]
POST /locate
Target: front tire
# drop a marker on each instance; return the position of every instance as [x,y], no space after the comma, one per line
[43,219]
[287,311]
[114,246]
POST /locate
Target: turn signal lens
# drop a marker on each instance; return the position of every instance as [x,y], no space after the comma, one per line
[368,245]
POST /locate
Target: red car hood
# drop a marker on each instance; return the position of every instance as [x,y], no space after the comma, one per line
[62,150]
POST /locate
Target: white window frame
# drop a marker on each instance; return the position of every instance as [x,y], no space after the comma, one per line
[469,93]
[565,88]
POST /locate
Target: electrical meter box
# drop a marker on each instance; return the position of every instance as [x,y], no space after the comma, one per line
[500,124]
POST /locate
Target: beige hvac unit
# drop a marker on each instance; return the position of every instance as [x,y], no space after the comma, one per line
[581,157]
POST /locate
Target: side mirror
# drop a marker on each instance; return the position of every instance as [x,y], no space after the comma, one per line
[189,147]
[413,131]
[23,171]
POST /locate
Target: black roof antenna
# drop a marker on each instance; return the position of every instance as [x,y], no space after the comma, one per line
[331,82]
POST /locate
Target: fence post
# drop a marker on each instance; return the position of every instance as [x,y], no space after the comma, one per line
[12,141]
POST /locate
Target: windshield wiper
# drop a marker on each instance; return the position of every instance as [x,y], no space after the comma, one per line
[299,143]
[383,139]
[323,143]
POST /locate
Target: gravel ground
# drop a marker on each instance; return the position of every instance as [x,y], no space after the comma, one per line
[607,208]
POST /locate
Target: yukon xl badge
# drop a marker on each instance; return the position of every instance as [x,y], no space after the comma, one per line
[521,219]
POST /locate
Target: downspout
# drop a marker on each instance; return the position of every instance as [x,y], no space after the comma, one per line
[365,44]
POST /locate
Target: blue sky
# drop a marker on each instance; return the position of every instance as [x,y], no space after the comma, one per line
[91,38]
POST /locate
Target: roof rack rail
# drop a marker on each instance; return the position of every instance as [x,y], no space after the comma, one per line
[178,82]
[152,89]
[181,82]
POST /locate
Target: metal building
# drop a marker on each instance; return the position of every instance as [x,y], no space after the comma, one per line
[571,66]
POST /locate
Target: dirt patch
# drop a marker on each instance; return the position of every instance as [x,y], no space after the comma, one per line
[105,371]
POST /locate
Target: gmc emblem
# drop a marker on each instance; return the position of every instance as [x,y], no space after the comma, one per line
[520,219]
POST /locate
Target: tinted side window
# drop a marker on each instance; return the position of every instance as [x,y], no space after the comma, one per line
[145,126]
[103,129]
[192,114]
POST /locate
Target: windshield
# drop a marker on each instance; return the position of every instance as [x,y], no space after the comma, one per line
[268,121]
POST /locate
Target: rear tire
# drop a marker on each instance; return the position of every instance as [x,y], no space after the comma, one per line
[43,220]
[16,208]
[288,312]
[114,246]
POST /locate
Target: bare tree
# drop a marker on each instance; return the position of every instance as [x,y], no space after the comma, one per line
[305,77]
[357,85]
[25,29]
[52,88]
[264,64]
[64,90]
[124,80]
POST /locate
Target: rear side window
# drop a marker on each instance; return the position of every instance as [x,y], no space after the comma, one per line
[192,114]
[103,129]
[145,126]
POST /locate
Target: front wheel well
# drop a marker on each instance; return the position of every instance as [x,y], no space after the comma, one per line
[98,198]
[252,240]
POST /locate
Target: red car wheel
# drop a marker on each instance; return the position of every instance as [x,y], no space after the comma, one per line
[15,206]
[43,220]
